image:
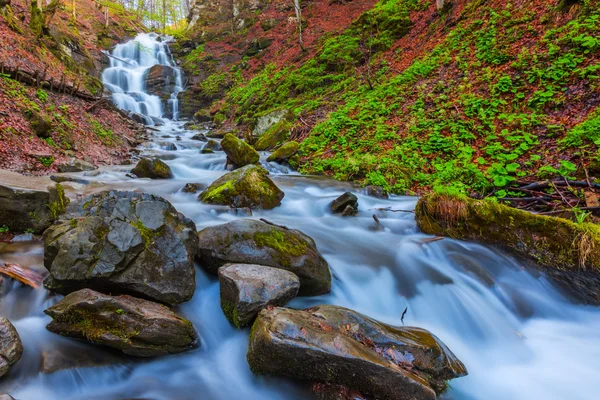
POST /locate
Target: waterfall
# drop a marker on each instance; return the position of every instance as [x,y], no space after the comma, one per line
[125,77]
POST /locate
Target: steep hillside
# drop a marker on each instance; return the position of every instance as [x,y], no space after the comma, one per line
[50,87]
[478,94]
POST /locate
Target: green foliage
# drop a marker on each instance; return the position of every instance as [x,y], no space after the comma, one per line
[105,135]
[4,229]
[47,161]
[42,95]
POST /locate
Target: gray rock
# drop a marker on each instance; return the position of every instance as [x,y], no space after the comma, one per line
[31,209]
[200,137]
[340,204]
[213,145]
[192,187]
[152,168]
[249,241]
[136,327]
[265,122]
[123,242]
[335,345]
[11,348]
[75,165]
[6,397]
[376,191]
[168,146]
[246,289]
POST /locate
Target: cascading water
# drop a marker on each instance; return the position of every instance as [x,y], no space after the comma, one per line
[518,336]
[125,77]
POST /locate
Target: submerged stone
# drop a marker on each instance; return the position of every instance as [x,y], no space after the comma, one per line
[254,242]
[249,186]
[335,345]
[136,327]
[246,289]
[568,252]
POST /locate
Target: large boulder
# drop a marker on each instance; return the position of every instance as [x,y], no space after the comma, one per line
[239,153]
[152,168]
[136,327]
[249,186]
[160,81]
[123,242]
[285,152]
[335,345]
[267,121]
[11,348]
[249,241]
[246,289]
[23,209]
[568,252]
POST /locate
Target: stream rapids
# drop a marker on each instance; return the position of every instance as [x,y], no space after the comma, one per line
[518,336]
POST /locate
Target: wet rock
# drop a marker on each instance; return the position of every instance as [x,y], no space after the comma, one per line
[255,242]
[339,346]
[200,136]
[566,251]
[31,209]
[136,327]
[57,359]
[283,153]
[168,146]
[239,153]
[324,391]
[278,133]
[11,348]
[192,187]
[246,289]
[207,150]
[212,145]
[376,191]
[139,118]
[6,397]
[122,242]
[349,211]
[152,168]
[341,204]
[249,186]
[75,165]
[61,179]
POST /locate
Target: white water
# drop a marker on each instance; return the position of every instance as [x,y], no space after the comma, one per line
[518,336]
[125,76]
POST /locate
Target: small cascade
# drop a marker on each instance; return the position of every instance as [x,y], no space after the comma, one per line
[125,77]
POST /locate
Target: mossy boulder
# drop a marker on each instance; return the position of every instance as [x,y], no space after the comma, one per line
[249,241]
[24,209]
[212,145]
[275,135]
[249,187]
[269,120]
[569,252]
[41,125]
[11,348]
[285,152]
[136,327]
[246,289]
[239,153]
[152,168]
[335,345]
[122,242]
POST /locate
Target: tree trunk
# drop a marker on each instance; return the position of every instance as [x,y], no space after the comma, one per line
[299,18]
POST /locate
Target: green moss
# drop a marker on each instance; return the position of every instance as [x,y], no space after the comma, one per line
[148,235]
[92,326]
[287,245]
[548,241]
[286,151]
[36,21]
[273,136]
[231,313]
[59,205]
[73,223]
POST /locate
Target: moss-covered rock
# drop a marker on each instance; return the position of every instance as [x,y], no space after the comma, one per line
[239,153]
[285,152]
[249,186]
[136,327]
[41,125]
[275,135]
[152,168]
[569,252]
[336,345]
[249,241]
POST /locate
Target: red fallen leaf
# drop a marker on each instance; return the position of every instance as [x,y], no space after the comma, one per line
[22,274]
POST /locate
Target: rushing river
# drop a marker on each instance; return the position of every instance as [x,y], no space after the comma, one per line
[517,335]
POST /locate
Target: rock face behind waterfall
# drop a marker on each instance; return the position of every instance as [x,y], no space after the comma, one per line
[254,242]
[160,81]
[136,327]
[335,345]
[123,242]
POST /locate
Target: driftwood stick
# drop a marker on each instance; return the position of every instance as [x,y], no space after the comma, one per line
[273,224]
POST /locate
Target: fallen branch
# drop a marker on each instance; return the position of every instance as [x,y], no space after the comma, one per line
[273,224]
[388,209]
[22,274]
